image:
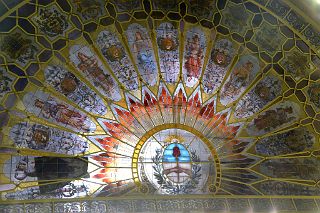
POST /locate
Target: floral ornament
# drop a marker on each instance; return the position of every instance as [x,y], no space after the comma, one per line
[51,22]
[166,6]
[89,9]
[126,5]
[236,17]
[5,82]
[201,8]
[18,48]
[268,38]
[314,94]
[296,64]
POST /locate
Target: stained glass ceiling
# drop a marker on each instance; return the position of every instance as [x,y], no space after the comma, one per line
[111,101]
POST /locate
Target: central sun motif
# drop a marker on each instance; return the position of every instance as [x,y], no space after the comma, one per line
[164,133]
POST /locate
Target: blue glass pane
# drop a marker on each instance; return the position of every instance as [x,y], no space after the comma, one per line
[169,157]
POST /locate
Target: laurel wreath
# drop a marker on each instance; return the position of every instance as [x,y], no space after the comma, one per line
[169,186]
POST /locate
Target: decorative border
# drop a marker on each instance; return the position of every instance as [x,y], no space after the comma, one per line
[162,204]
[304,29]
